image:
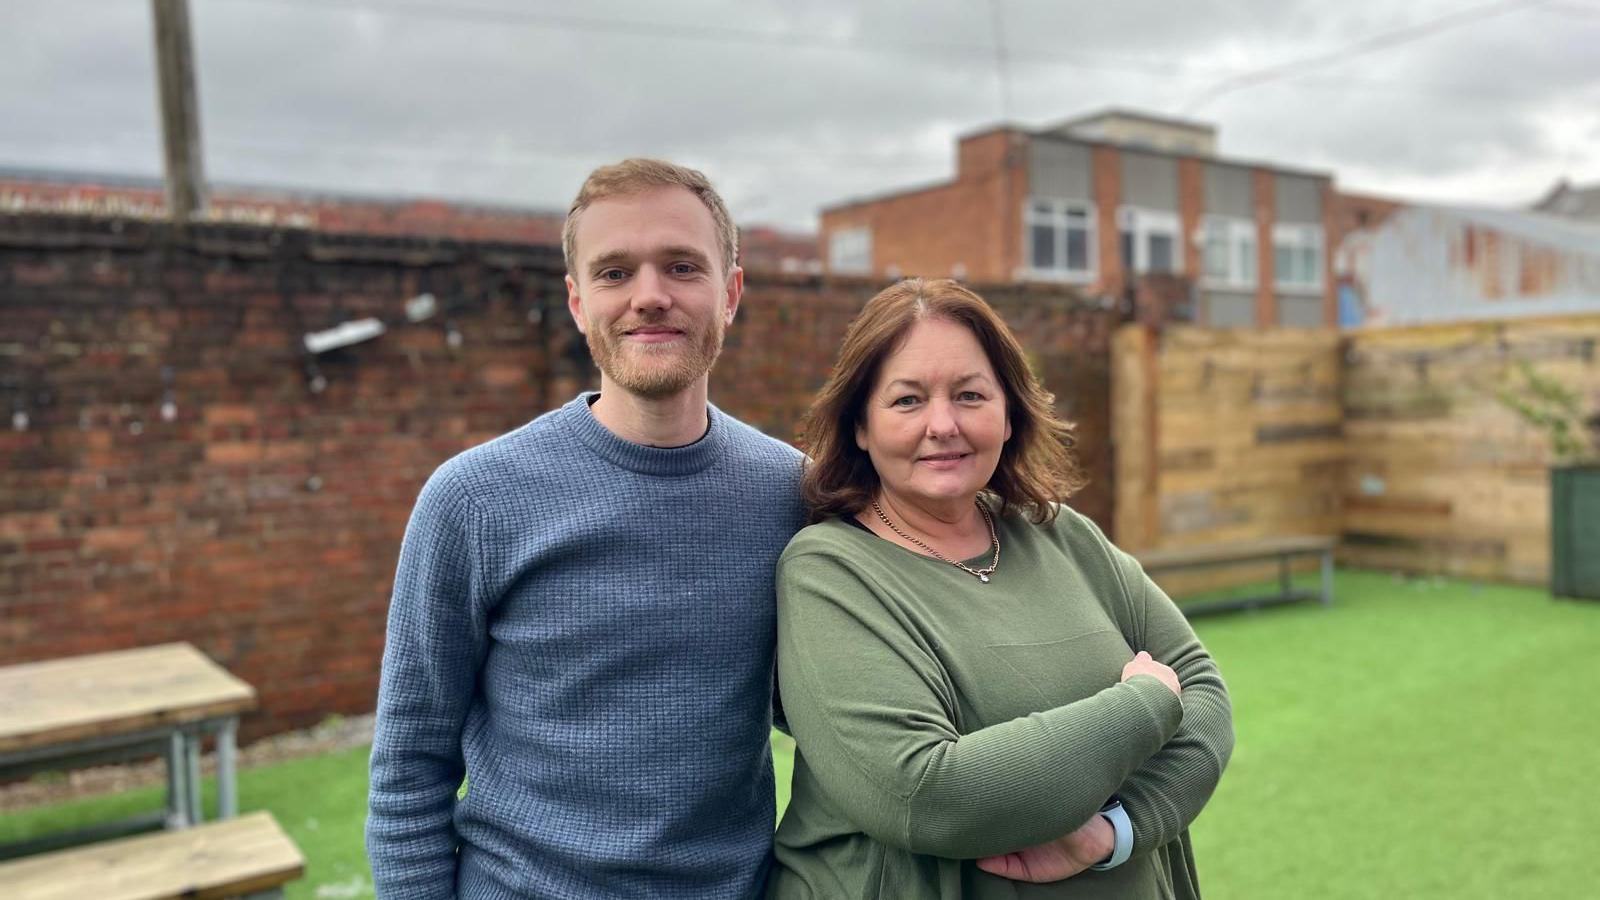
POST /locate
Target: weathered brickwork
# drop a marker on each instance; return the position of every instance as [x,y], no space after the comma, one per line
[174,467]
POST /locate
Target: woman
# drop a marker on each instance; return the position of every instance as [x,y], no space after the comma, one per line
[956,649]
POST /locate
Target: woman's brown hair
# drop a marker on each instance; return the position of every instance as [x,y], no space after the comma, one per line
[1036,471]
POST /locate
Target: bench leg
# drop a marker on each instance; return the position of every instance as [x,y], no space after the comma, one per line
[192,766]
[1285,585]
[1327,579]
[177,781]
[227,770]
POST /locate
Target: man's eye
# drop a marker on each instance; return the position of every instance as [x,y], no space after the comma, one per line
[613,275]
[684,268]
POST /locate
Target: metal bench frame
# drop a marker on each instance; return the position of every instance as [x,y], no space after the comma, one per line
[1245,554]
[179,745]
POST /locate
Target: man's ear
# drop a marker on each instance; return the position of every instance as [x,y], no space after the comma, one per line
[735,288]
[575,305]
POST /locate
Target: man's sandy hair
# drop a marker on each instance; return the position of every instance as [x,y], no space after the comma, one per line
[634,176]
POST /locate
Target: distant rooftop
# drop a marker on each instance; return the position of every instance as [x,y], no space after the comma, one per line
[1131,128]
[1571,201]
[761,248]
[144,197]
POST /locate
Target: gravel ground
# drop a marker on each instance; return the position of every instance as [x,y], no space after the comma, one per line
[53,787]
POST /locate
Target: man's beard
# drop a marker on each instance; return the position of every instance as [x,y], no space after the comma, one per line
[655,371]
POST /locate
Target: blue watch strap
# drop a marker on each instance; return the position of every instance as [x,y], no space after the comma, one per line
[1123,826]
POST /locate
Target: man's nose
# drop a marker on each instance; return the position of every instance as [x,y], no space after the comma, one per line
[650,289]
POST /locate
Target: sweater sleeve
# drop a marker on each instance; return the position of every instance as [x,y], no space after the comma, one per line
[1163,796]
[874,718]
[435,645]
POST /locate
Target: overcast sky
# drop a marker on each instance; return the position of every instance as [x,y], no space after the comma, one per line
[797,104]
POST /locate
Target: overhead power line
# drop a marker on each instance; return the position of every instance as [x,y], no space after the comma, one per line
[1371,44]
[1146,67]
[1001,68]
[1576,10]
[725,35]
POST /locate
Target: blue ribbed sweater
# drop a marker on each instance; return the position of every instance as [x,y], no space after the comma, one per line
[583,627]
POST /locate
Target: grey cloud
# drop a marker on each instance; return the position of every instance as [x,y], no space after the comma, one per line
[480,103]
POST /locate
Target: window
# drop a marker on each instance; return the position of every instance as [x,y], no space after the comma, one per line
[1297,256]
[1149,241]
[850,251]
[1060,239]
[1228,257]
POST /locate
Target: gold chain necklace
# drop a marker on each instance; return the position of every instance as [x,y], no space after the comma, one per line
[994,541]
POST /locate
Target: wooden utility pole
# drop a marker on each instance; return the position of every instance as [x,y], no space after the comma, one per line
[180,110]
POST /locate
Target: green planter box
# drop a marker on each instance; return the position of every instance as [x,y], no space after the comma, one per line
[1575,531]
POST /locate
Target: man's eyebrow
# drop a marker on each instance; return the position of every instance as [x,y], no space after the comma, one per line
[609,259]
[686,252]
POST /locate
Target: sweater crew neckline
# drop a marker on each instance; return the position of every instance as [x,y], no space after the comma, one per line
[577,417]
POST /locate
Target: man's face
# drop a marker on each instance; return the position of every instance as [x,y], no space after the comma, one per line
[649,292]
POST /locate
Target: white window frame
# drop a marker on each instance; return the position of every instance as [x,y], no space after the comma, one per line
[1236,235]
[1144,223]
[1298,238]
[1062,216]
[850,251]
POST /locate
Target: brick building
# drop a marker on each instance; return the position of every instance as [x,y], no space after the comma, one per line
[1099,202]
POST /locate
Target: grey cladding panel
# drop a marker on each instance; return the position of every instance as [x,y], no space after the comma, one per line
[1229,191]
[1297,199]
[1300,311]
[1149,182]
[1060,170]
[1230,310]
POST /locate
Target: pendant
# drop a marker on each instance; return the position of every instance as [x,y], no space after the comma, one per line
[983,578]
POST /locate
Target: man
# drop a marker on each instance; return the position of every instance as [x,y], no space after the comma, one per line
[582,622]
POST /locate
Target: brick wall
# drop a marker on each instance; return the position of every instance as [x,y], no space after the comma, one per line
[168,472]
[1191,209]
[1107,163]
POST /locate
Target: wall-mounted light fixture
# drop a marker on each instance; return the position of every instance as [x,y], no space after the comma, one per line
[343,335]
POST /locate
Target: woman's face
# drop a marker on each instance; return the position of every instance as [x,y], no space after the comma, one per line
[935,420]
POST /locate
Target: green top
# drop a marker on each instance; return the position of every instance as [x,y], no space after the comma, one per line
[938,720]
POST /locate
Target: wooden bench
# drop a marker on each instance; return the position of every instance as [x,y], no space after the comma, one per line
[248,856]
[1283,549]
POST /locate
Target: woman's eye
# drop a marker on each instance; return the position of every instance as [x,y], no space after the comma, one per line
[907,400]
[969,396]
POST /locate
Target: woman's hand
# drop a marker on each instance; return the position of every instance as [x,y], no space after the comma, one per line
[1061,858]
[1145,664]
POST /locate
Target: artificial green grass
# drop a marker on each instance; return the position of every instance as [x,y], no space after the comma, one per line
[1419,739]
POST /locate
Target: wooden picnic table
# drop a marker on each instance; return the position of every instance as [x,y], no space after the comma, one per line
[104,707]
